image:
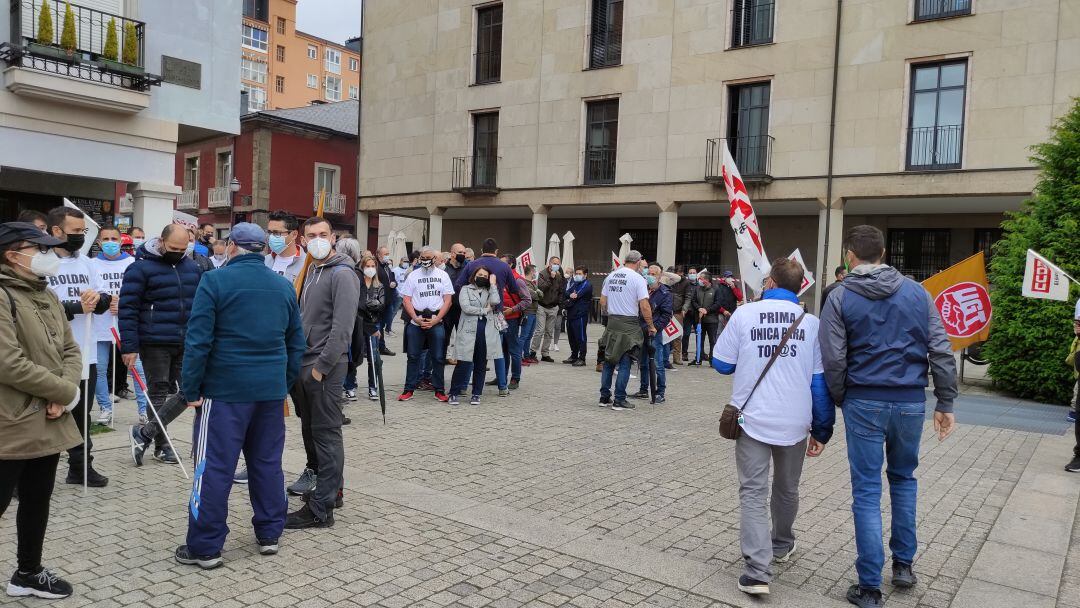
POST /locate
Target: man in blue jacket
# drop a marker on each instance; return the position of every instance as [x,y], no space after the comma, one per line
[655,351]
[880,333]
[155,302]
[577,302]
[241,355]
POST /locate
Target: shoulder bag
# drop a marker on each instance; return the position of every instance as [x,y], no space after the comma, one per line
[731,419]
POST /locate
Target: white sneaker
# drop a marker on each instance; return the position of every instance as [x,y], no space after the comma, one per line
[105,419]
[555,347]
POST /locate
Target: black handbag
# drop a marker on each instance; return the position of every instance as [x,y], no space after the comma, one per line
[731,418]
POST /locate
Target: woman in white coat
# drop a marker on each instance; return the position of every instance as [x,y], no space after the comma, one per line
[476,335]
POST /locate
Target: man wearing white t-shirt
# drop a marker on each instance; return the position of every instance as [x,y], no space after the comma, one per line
[286,257]
[625,295]
[790,402]
[425,296]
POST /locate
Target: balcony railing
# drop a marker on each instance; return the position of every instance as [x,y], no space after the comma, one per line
[600,165]
[488,67]
[334,203]
[87,61]
[218,198]
[751,23]
[926,10]
[752,154]
[188,199]
[935,148]
[475,174]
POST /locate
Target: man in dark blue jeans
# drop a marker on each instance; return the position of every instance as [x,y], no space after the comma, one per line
[426,295]
[880,334]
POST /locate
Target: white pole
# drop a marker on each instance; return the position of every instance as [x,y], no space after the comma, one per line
[85,401]
[112,366]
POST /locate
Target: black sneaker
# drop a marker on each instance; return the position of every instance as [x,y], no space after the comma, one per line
[1074,465]
[43,584]
[753,587]
[578,363]
[138,444]
[514,384]
[660,399]
[339,501]
[206,562]
[241,476]
[386,352]
[346,421]
[166,455]
[93,478]
[268,547]
[605,401]
[864,598]
[627,405]
[547,359]
[569,361]
[125,393]
[903,576]
[305,518]
[619,406]
[640,395]
[494,382]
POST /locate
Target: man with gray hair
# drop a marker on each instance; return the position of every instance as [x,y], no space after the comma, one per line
[425,296]
[624,295]
[242,352]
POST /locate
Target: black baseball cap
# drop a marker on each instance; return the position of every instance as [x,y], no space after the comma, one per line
[14,232]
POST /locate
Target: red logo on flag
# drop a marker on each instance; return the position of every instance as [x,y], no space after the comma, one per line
[1040,277]
[965,309]
[671,329]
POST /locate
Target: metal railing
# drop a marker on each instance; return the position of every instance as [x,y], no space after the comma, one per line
[333,203]
[926,10]
[475,174]
[188,199]
[935,148]
[752,155]
[218,198]
[600,165]
[87,61]
[751,23]
[488,67]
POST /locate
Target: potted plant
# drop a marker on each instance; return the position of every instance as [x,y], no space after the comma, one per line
[128,62]
[43,45]
[68,41]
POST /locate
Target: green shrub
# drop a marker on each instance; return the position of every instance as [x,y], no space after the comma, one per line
[1031,337]
[112,45]
[131,45]
[67,35]
[45,26]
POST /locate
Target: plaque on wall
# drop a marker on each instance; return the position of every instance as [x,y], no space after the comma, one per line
[181,72]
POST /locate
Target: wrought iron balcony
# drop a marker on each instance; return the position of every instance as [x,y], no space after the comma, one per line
[927,10]
[91,58]
[333,203]
[218,198]
[752,154]
[600,165]
[935,148]
[475,175]
[188,199]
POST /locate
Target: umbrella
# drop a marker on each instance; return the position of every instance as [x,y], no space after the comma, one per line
[376,359]
[651,349]
[699,343]
[624,249]
[398,246]
[553,248]
[568,252]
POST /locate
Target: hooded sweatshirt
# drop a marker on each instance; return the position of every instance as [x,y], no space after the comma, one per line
[328,305]
[880,334]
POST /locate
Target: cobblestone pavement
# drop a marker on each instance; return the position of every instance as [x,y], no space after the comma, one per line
[657,479]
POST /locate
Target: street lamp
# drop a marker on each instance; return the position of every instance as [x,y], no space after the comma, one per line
[234,187]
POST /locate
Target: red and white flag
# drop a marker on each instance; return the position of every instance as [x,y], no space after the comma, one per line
[1042,279]
[616,263]
[524,260]
[753,263]
[808,277]
[672,332]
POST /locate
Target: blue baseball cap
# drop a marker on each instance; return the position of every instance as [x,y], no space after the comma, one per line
[248,236]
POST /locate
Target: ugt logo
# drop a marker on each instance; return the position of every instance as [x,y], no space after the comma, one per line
[1040,277]
[965,309]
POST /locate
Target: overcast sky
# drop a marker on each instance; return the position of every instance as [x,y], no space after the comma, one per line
[335,20]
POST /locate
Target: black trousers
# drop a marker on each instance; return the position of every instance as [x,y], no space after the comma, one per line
[318,404]
[161,362]
[34,478]
[86,400]
[118,372]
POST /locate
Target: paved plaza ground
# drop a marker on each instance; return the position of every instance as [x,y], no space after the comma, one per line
[544,499]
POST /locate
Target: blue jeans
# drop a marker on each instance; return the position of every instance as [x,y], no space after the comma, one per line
[387,320]
[416,342]
[528,327]
[658,359]
[101,389]
[620,383]
[513,346]
[500,372]
[475,369]
[897,427]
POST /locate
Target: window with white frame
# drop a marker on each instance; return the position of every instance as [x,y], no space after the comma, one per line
[223,168]
[312,52]
[354,64]
[312,81]
[252,70]
[326,178]
[333,61]
[333,88]
[256,96]
[191,173]
[354,92]
[255,38]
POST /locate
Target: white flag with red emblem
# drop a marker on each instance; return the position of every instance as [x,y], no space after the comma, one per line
[808,277]
[1044,280]
[753,263]
[524,260]
[672,332]
[615,261]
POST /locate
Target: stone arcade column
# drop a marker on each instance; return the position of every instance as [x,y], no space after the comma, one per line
[154,204]
[539,239]
[435,229]
[667,230]
[828,260]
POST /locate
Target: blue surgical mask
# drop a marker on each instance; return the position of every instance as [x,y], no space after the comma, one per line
[386,260]
[111,248]
[555,268]
[277,243]
[692,276]
[651,280]
[644,272]
[136,243]
[579,278]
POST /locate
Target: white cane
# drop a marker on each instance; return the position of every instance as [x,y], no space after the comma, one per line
[112,366]
[85,401]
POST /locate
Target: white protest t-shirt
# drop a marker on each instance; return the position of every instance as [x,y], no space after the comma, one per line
[427,287]
[624,288]
[110,274]
[780,411]
[74,277]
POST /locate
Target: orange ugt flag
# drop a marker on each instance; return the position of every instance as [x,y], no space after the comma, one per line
[962,296]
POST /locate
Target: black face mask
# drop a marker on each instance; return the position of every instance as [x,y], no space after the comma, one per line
[483,282]
[426,263]
[172,257]
[460,258]
[75,242]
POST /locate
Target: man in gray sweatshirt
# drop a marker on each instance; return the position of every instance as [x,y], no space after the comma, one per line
[328,301]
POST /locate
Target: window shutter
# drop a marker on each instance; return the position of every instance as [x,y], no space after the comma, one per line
[598,43]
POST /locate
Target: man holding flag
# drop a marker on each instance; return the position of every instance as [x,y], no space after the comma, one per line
[78,288]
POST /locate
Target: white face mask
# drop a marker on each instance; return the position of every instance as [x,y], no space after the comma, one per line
[319,248]
[43,264]
[369,272]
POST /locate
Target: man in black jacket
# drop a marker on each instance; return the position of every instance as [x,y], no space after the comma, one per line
[714,303]
[552,285]
[679,292]
[389,283]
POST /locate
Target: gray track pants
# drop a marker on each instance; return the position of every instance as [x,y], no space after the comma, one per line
[759,545]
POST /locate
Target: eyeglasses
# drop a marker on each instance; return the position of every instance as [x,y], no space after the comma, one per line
[278,232]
